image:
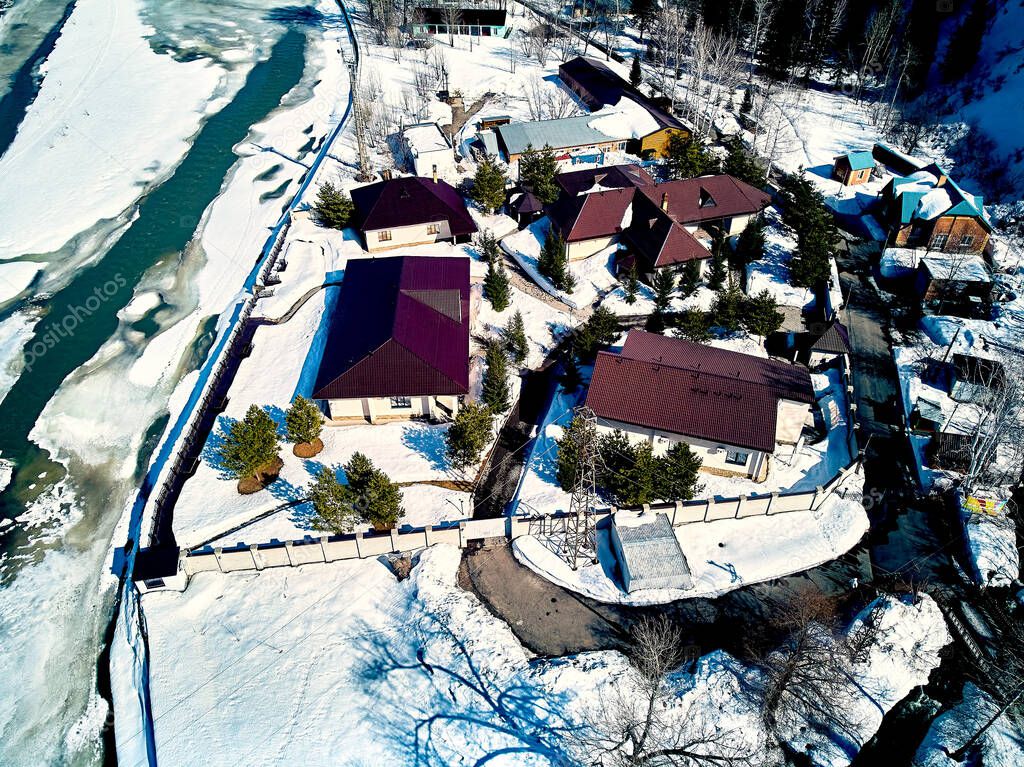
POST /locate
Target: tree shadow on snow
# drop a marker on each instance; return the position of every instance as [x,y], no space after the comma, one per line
[210,454]
[437,705]
[428,441]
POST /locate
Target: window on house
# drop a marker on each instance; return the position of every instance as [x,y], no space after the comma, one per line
[401,403]
[736,457]
[384,235]
[967,241]
[939,241]
[433,229]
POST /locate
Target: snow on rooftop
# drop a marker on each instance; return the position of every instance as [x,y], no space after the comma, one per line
[963,267]
[627,119]
[934,204]
[425,137]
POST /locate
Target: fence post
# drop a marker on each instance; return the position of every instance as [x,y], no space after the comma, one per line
[709,507]
[819,493]
[257,560]
[740,503]
[394,539]
[288,550]
[323,547]
[216,554]
[675,510]
[428,536]
[462,535]
[359,544]
[771,502]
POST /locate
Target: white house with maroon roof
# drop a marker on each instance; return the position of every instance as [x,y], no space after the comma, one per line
[732,409]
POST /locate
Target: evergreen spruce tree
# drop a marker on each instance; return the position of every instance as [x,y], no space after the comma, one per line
[358,472]
[664,284]
[383,506]
[488,246]
[741,164]
[468,435]
[554,263]
[537,171]
[812,263]
[636,75]
[676,474]
[627,471]
[250,450]
[761,315]
[719,270]
[689,277]
[514,339]
[489,183]
[600,330]
[303,424]
[496,394]
[496,286]
[570,380]
[333,208]
[693,325]
[686,157]
[631,286]
[750,244]
[727,310]
[332,504]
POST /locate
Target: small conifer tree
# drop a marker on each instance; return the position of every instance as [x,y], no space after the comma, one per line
[333,208]
[468,435]
[489,185]
[303,422]
[514,338]
[251,446]
[496,394]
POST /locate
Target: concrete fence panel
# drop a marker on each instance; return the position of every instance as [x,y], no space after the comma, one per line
[791,502]
[755,506]
[721,508]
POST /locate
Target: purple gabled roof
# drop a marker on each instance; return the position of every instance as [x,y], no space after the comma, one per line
[401,329]
[408,201]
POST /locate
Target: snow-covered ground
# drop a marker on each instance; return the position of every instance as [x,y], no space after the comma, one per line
[1000,746]
[245,666]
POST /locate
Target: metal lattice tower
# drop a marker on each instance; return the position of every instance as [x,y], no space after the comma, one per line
[579,525]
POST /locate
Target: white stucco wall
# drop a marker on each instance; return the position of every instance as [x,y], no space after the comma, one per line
[406,235]
[374,408]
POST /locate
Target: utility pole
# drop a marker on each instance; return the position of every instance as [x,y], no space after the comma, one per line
[580,534]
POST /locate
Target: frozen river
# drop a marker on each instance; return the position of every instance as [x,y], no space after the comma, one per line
[122,122]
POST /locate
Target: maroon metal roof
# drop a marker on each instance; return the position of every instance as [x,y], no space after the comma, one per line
[659,240]
[611,177]
[411,200]
[401,329]
[695,390]
[708,198]
[587,216]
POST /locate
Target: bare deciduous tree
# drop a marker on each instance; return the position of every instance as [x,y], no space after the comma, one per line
[642,726]
[548,103]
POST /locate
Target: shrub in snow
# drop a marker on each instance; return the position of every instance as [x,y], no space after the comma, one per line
[468,435]
[371,494]
[693,325]
[727,310]
[761,315]
[304,423]
[601,329]
[250,450]
[333,208]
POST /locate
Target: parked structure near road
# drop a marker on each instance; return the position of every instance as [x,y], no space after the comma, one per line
[597,85]
[429,150]
[853,168]
[648,552]
[410,210]
[928,209]
[660,225]
[398,345]
[732,409]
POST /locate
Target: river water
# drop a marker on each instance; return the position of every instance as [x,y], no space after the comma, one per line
[56,597]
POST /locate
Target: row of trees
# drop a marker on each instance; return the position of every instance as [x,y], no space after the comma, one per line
[688,157]
[628,473]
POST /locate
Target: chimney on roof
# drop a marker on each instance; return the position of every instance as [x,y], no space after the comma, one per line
[434,172]
[664,200]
